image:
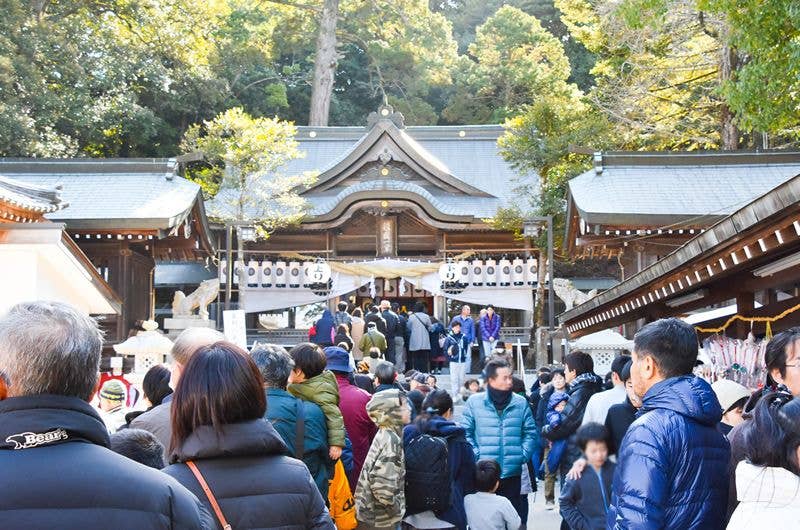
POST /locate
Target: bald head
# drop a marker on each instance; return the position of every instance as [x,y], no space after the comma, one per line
[189,341]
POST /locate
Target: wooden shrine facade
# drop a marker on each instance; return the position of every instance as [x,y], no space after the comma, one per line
[125,215]
[750,258]
[638,207]
[393,191]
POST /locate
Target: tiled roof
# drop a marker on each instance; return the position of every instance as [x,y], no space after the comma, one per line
[26,196]
[111,193]
[661,188]
[469,153]
[480,207]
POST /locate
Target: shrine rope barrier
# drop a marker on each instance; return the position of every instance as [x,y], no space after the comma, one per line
[751,320]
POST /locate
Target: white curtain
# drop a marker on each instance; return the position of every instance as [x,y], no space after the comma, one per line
[417,273]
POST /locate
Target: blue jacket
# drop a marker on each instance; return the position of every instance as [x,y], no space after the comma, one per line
[509,437]
[673,461]
[553,419]
[460,458]
[326,329]
[490,328]
[467,326]
[282,414]
[457,347]
[584,502]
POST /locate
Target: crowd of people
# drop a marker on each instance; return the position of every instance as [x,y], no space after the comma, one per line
[269,438]
[414,340]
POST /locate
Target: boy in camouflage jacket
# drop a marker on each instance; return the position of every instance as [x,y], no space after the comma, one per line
[380,496]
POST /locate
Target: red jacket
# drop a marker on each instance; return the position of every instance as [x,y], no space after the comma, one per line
[360,428]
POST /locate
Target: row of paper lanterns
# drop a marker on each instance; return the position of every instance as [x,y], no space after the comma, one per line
[490,273]
[295,274]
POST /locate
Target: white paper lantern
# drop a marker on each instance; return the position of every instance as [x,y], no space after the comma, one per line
[306,269]
[448,272]
[223,272]
[518,272]
[253,273]
[476,274]
[266,274]
[504,272]
[319,272]
[294,274]
[490,273]
[463,272]
[531,271]
[280,274]
[238,270]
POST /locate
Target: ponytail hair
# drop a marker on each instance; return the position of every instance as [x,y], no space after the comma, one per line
[772,436]
[436,403]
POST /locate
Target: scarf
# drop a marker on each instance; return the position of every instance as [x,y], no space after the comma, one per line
[588,377]
[500,398]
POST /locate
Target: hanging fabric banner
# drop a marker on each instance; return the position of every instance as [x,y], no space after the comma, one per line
[293,290]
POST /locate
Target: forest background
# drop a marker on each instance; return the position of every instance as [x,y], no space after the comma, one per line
[127,78]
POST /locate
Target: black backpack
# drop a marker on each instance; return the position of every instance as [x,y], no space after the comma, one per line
[428,479]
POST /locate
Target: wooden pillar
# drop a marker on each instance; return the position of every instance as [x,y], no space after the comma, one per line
[745,304]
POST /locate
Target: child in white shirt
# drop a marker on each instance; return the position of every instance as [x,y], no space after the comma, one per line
[486,510]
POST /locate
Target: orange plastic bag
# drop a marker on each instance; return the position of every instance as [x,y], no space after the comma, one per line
[341,501]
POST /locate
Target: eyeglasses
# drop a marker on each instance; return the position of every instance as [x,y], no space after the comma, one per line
[796,365]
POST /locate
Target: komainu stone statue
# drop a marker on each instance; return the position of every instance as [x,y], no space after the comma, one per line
[571,296]
[183,306]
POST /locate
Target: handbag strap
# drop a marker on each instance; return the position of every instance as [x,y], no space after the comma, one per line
[213,500]
[300,430]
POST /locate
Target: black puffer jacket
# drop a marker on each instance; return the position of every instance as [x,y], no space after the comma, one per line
[580,390]
[57,472]
[254,484]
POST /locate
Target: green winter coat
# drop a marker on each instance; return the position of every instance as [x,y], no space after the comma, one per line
[380,495]
[372,339]
[323,390]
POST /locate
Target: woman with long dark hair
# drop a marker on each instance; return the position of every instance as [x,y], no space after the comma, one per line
[436,421]
[768,480]
[782,361]
[220,438]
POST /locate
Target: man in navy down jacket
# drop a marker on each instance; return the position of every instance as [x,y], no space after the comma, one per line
[671,466]
[56,470]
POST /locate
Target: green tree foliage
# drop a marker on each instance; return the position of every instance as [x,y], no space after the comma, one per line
[129,77]
[245,157]
[512,62]
[765,92]
[657,70]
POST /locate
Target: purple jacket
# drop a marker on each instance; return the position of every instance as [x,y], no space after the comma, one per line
[360,428]
[490,328]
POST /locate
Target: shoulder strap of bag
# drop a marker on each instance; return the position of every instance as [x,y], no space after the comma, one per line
[213,500]
[300,431]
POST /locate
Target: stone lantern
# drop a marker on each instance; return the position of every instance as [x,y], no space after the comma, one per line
[148,347]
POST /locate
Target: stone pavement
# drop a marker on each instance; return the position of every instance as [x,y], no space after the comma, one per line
[540,518]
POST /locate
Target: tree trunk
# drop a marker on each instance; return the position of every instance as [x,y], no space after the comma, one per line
[729,131]
[324,65]
[538,311]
